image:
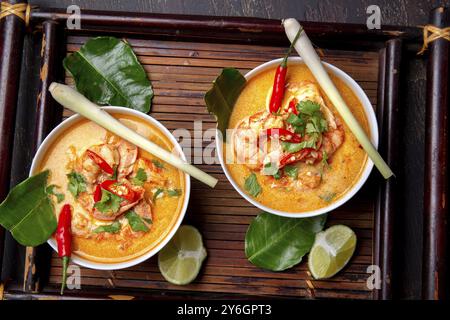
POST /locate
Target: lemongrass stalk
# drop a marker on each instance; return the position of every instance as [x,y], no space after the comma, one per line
[312,60]
[75,101]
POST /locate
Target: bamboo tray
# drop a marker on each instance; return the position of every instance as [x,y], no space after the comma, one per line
[182,55]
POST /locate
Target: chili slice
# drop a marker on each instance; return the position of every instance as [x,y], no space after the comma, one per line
[64,240]
[97,193]
[280,79]
[120,190]
[100,162]
[284,135]
[293,106]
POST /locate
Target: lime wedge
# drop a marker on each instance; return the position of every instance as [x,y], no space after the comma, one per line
[181,259]
[331,251]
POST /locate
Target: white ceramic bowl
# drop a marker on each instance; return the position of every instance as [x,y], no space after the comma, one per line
[60,129]
[373,126]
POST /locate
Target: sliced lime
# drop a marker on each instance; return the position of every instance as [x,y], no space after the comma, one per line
[181,259]
[331,251]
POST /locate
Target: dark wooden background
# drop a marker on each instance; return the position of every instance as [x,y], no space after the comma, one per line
[408,231]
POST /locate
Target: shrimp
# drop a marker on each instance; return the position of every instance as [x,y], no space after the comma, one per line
[144,210]
[245,138]
[308,91]
[153,173]
[128,154]
[89,169]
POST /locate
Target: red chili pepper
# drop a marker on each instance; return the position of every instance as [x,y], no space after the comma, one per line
[64,240]
[294,157]
[120,190]
[293,106]
[284,135]
[100,162]
[97,193]
[280,79]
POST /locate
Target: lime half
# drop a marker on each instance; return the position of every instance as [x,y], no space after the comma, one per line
[181,259]
[331,251]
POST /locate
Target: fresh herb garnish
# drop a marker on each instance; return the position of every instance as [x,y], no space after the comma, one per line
[252,186]
[291,171]
[136,222]
[325,159]
[109,203]
[157,193]
[277,175]
[295,147]
[174,192]
[77,183]
[114,176]
[50,190]
[327,197]
[140,178]
[109,228]
[270,169]
[158,164]
[309,123]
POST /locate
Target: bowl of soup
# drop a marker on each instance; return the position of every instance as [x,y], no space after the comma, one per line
[303,160]
[126,203]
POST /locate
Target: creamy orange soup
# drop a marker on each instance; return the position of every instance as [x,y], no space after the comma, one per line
[337,176]
[161,198]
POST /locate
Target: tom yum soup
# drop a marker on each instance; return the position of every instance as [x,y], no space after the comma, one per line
[301,158]
[125,201]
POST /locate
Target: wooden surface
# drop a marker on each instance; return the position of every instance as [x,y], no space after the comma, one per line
[408,238]
[435,285]
[180,74]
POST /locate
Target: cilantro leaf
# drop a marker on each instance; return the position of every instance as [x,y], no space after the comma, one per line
[109,228]
[327,197]
[109,203]
[252,186]
[77,183]
[158,164]
[50,190]
[157,193]
[174,192]
[308,107]
[136,222]
[291,171]
[140,178]
[270,169]
[295,147]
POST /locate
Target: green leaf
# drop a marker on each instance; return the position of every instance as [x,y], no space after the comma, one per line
[77,183]
[308,107]
[136,222]
[270,169]
[28,212]
[291,171]
[328,197]
[140,178]
[158,164]
[278,243]
[295,147]
[50,190]
[107,72]
[221,97]
[157,193]
[109,228]
[109,203]
[174,192]
[252,186]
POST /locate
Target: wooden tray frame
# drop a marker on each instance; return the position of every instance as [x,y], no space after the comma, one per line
[390,41]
